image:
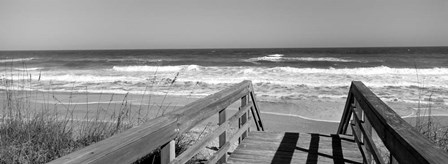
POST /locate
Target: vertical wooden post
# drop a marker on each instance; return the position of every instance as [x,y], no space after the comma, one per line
[222,137]
[243,118]
[368,129]
[357,111]
[167,154]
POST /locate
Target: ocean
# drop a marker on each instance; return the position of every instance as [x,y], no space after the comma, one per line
[394,74]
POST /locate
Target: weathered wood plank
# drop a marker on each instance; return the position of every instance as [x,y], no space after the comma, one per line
[223,135]
[243,118]
[281,148]
[324,150]
[167,152]
[324,147]
[302,141]
[279,157]
[287,157]
[276,136]
[371,147]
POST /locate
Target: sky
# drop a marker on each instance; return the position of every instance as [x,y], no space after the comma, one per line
[166,24]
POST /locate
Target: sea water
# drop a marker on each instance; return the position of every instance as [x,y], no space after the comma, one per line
[395,74]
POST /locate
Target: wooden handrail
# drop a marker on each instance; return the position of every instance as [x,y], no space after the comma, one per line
[137,142]
[404,142]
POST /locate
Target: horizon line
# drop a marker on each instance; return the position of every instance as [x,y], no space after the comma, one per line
[112,49]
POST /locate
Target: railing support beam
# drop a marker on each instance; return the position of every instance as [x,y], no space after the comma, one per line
[167,153]
[243,118]
[223,136]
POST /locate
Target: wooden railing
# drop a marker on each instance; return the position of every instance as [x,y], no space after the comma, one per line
[405,143]
[135,143]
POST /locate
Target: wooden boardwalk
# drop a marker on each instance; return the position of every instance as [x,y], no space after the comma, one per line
[292,147]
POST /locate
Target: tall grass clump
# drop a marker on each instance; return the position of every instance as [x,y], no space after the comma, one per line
[429,127]
[424,121]
[32,132]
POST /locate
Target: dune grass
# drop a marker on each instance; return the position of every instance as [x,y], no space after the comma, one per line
[31,133]
[429,127]
[424,121]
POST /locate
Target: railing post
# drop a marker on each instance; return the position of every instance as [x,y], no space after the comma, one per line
[357,111]
[368,129]
[223,136]
[167,154]
[348,111]
[243,118]
[255,111]
[357,116]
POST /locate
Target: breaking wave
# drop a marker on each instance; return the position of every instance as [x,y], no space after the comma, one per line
[156,68]
[367,70]
[278,82]
[15,60]
[281,58]
[28,69]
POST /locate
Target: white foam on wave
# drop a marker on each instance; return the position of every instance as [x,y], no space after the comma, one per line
[28,69]
[277,82]
[77,78]
[328,59]
[146,68]
[272,58]
[282,58]
[367,70]
[316,77]
[15,60]
[276,55]
[135,60]
[283,76]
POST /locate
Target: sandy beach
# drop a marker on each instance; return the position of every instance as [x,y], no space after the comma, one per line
[314,116]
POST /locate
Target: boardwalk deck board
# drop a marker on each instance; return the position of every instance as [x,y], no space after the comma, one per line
[292,147]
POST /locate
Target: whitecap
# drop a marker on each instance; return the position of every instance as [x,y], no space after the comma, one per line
[281,58]
[366,70]
[146,68]
[15,60]
[325,59]
[272,58]
[28,69]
